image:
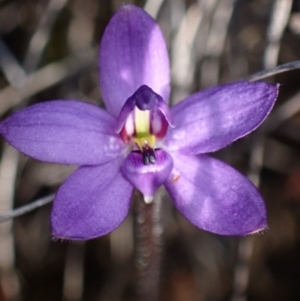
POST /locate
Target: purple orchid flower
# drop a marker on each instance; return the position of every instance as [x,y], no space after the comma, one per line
[139,142]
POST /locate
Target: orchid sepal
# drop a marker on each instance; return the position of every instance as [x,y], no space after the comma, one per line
[93,201]
[61,131]
[214,118]
[223,202]
[132,53]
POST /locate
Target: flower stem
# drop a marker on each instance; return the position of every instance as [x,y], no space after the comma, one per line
[148,247]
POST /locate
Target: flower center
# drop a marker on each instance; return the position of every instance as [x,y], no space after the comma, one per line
[143,138]
[142,122]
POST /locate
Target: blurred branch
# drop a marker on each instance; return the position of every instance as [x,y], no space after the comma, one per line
[11,68]
[27,208]
[279,19]
[183,56]
[9,280]
[73,284]
[215,44]
[272,71]
[41,37]
[45,78]
[152,7]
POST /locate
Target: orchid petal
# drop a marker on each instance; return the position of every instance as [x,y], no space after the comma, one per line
[147,178]
[208,121]
[132,53]
[215,197]
[66,132]
[92,202]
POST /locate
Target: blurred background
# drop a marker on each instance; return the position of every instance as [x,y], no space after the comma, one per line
[48,50]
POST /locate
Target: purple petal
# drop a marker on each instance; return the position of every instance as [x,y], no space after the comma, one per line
[147,178]
[67,132]
[208,121]
[215,197]
[132,53]
[92,202]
